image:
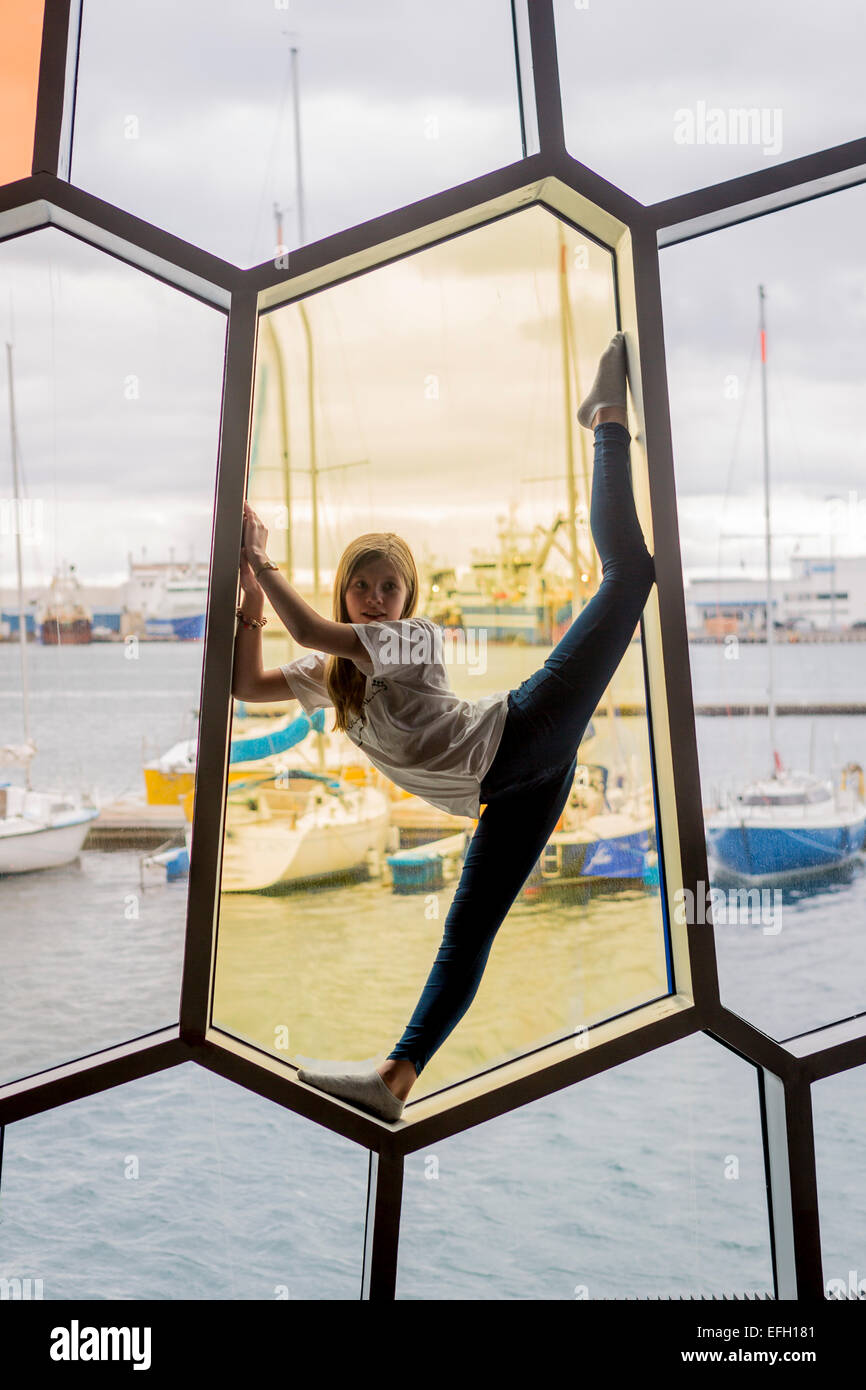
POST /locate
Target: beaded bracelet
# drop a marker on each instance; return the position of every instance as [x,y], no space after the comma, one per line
[249,622]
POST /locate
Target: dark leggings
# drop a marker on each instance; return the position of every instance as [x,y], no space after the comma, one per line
[529,781]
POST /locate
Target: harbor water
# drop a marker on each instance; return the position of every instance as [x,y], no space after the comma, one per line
[645,1180]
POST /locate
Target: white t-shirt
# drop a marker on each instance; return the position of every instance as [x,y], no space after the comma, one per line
[413,727]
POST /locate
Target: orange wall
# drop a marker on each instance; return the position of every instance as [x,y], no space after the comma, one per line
[20,45]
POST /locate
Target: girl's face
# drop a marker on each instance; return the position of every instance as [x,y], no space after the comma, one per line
[376,591]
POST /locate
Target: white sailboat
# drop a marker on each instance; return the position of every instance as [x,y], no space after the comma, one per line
[301,826]
[38,829]
[790,825]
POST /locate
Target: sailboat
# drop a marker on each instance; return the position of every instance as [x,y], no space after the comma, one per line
[38,830]
[301,826]
[789,825]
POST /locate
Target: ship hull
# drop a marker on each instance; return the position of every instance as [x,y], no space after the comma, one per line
[59,632]
[785,852]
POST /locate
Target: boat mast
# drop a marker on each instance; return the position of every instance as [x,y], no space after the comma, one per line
[314,470]
[314,481]
[569,365]
[284,412]
[569,423]
[308,337]
[22,627]
[771,707]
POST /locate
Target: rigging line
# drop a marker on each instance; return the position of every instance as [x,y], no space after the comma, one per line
[788,417]
[269,165]
[61,660]
[341,483]
[545,351]
[727,677]
[736,442]
[352,394]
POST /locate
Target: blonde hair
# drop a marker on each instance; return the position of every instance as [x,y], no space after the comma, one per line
[345,682]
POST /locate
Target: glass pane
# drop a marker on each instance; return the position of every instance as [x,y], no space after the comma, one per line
[117,382]
[185,115]
[838,1108]
[795,959]
[441,413]
[147,1191]
[664,99]
[20,52]
[652,1185]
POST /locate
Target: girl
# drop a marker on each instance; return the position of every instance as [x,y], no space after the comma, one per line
[514,753]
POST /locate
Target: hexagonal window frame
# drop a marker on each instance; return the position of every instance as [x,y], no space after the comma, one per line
[547,174]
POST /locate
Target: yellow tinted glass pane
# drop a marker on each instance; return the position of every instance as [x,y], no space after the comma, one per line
[440,414]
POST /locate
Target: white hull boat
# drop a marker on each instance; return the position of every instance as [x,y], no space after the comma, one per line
[308,827]
[40,830]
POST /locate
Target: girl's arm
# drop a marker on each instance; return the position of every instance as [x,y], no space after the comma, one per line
[307,626]
[250,681]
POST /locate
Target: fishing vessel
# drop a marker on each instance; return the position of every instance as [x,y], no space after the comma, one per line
[167,598]
[38,829]
[510,592]
[62,615]
[789,825]
[605,835]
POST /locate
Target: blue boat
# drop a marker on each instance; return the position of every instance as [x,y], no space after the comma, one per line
[603,844]
[791,826]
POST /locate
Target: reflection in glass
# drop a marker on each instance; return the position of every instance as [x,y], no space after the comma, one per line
[790,958]
[207,119]
[116,406]
[440,414]
[20,52]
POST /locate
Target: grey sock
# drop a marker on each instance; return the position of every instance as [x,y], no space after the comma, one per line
[364,1089]
[609,385]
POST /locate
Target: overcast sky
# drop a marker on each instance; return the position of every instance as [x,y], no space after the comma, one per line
[184,116]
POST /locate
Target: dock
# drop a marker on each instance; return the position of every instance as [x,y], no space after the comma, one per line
[132,823]
[745,708]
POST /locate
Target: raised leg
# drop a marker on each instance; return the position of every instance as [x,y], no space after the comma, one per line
[552,708]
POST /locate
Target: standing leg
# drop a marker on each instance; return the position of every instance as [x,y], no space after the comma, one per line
[508,839]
